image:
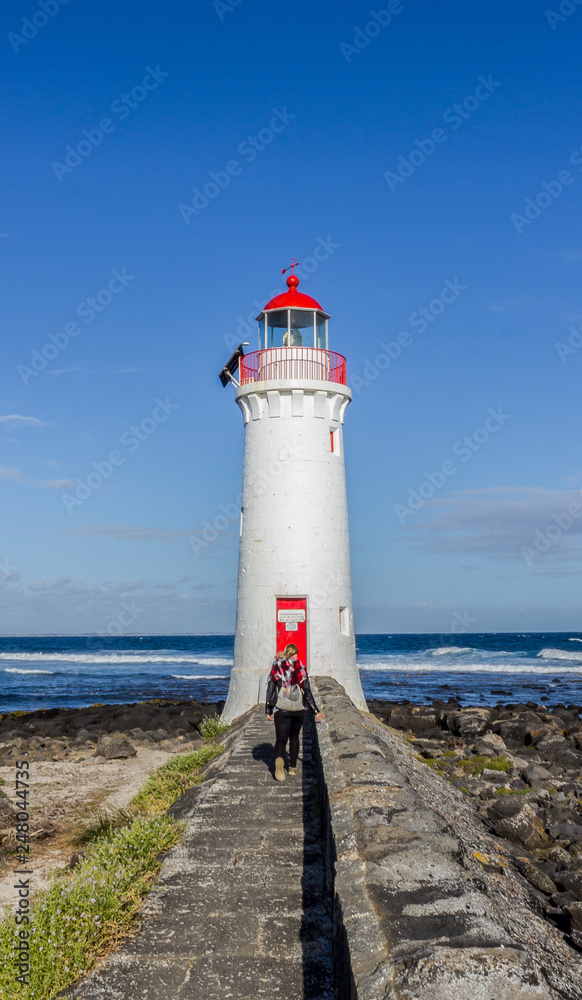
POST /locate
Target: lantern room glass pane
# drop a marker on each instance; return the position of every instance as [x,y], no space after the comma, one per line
[263,333]
[321,332]
[278,325]
[302,326]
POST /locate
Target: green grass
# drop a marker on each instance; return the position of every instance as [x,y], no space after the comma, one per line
[476,765]
[512,791]
[85,911]
[3,795]
[173,779]
[103,824]
[212,726]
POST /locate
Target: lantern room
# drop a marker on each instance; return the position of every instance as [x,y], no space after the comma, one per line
[293,319]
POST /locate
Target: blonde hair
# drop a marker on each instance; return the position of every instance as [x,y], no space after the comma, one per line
[290,650]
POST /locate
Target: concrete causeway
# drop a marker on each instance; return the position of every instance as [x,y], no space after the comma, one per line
[241,909]
[364,877]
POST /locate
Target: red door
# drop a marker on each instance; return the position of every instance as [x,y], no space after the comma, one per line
[292,624]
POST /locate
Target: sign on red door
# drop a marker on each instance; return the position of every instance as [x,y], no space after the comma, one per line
[292,624]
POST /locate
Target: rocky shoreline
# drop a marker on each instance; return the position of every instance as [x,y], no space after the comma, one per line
[108,731]
[131,739]
[521,764]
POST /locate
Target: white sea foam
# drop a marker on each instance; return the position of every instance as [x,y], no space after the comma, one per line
[106,658]
[574,640]
[402,664]
[450,650]
[16,670]
[559,654]
[200,677]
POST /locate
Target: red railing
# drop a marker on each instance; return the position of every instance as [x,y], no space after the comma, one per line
[293,364]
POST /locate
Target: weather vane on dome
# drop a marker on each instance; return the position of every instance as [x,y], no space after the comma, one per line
[293,264]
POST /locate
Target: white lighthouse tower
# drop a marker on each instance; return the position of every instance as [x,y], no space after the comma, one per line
[294,579]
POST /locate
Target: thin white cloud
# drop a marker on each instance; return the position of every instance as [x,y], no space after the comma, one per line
[131,533]
[499,521]
[74,607]
[17,420]
[16,476]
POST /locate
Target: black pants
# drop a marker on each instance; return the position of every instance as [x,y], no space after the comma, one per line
[287,727]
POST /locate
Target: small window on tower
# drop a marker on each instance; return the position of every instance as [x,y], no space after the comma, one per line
[335,440]
[344,621]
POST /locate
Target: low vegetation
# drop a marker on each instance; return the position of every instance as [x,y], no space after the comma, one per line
[86,910]
[212,726]
[477,764]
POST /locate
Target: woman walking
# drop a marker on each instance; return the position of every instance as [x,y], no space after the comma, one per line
[288,694]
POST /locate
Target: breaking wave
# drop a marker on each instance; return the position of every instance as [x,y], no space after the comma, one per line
[17,670]
[559,654]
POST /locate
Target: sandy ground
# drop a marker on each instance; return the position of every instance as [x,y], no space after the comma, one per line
[67,794]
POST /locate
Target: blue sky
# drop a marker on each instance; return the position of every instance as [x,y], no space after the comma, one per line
[405,148]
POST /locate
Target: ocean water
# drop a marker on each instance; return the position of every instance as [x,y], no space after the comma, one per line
[477,669]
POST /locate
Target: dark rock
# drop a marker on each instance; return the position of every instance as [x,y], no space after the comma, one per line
[574,911]
[561,859]
[536,774]
[562,898]
[115,750]
[469,722]
[571,881]
[517,726]
[560,919]
[517,821]
[490,745]
[418,719]
[566,833]
[576,939]
[535,876]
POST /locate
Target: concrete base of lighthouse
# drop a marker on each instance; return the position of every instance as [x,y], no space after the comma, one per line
[249,688]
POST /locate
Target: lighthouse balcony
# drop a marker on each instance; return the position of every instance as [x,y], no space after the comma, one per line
[292,364]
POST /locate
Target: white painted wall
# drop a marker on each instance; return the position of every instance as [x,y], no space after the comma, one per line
[294,534]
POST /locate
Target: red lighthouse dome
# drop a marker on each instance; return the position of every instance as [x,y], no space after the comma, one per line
[293,299]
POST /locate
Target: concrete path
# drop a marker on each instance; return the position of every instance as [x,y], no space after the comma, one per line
[241,910]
